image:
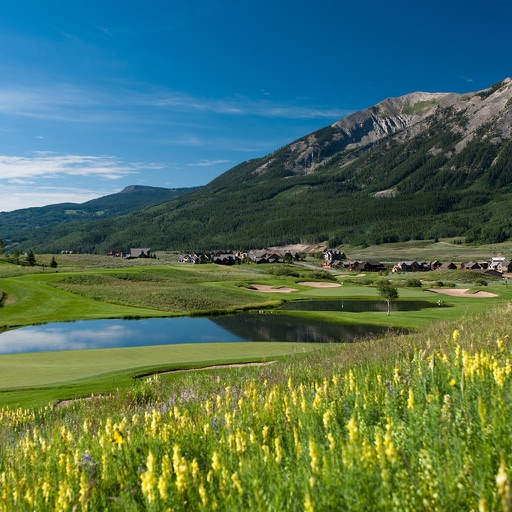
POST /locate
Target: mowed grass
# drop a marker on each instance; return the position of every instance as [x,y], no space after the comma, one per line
[40,377]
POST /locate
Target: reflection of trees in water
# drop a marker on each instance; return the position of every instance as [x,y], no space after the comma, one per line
[278,327]
[358,306]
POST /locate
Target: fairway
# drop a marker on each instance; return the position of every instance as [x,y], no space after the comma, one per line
[49,368]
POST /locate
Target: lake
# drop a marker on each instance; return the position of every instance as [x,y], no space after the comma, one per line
[115,333]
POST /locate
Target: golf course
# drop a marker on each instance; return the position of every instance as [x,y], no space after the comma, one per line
[95,287]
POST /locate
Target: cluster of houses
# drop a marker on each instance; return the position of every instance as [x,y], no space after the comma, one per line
[333,258]
[496,266]
[232,258]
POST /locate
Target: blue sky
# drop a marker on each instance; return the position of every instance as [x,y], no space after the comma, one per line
[95,96]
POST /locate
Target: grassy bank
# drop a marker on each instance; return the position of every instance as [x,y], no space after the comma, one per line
[36,379]
[404,423]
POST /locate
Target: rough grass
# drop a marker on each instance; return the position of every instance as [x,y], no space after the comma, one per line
[403,423]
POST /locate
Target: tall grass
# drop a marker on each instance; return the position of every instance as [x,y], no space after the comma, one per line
[405,423]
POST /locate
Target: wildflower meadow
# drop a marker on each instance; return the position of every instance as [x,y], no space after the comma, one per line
[425,429]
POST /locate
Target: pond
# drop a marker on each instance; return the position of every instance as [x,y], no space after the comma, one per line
[360,306]
[163,331]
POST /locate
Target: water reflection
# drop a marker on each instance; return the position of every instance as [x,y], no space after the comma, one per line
[112,334]
[280,327]
[360,306]
[163,331]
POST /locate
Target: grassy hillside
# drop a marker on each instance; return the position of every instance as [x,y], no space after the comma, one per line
[418,423]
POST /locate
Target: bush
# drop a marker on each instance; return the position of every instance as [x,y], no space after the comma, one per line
[413,283]
[284,271]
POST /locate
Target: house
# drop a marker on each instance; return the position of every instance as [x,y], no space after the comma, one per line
[407,266]
[366,266]
[470,265]
[139,252]
[332,258]
[435,265]
[264,256]
[500,264]
[115,253]
[225,259]
[447,265]
[194,258]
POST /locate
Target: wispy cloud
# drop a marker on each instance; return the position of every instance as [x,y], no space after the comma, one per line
[52,165]
[72,103]
[208,163]
[241,106]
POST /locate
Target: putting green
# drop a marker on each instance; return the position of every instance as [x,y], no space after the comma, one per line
[49,368]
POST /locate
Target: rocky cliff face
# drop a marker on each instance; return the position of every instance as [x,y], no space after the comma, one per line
[405,117]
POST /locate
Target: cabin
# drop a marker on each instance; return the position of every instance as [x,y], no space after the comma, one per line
[447,265]
[470,265]
[366,266]
[139,252]
[225,259]
[115,253]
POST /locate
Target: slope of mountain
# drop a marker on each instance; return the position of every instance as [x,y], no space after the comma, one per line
[22,224]
[424,165]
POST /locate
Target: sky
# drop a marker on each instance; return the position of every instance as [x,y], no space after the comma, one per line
[99,95]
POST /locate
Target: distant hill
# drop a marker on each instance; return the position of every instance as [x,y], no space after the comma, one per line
[423,165]
[39,223]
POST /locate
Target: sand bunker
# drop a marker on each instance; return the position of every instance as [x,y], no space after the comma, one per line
[267,288]
[219,366]
[462,292]
[320,285]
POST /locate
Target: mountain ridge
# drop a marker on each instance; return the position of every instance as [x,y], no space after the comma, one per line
[423,165]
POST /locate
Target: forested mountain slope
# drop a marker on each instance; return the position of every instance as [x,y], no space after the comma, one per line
[39,222]
[424,165]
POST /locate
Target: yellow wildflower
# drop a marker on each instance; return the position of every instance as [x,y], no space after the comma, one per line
[148,478]
[503,484]
[117,438]
[332,441]
[203,495]
[410,401]
[279,450]
[313,454]
[216,465]
[353,431]
[456,335]
[237,484]
[308,502]
[328,415]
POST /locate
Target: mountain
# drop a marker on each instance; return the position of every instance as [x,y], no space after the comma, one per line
[423,165]
[39,223]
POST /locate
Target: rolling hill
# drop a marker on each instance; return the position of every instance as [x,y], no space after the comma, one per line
[420,166]
[47,221]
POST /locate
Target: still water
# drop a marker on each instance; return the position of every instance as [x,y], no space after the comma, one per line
[360,306]
[163,331]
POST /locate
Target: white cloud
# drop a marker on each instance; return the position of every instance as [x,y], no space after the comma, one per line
[17,197]
[53,165]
